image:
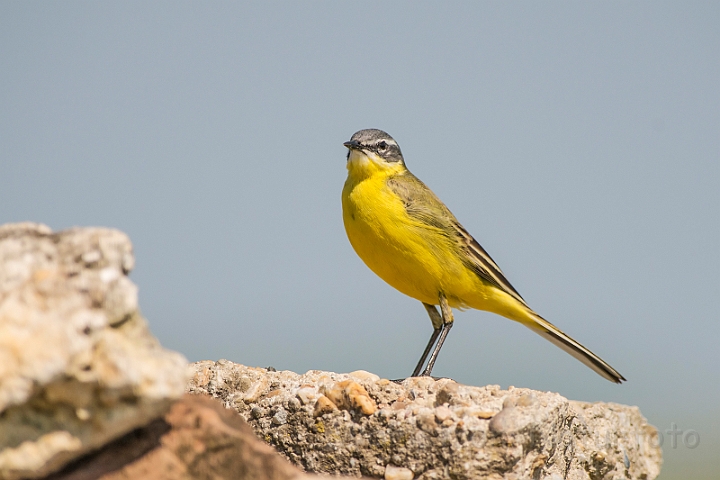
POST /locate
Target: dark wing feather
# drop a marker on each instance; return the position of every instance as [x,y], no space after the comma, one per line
[483,264]
[423,205]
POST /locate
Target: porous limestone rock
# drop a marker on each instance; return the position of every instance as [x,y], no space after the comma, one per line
[78,365]
[358,423]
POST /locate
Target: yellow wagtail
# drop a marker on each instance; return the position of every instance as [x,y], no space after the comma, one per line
[410,239]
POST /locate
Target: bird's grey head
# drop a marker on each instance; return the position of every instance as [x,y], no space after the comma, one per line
[378,142]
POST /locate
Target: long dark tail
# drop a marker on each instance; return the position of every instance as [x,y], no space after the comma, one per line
[562,340]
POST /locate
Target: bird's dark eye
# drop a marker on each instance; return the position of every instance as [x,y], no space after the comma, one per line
[382,146]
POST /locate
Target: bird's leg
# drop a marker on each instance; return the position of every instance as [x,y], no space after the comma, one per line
[437,322]
[447,323]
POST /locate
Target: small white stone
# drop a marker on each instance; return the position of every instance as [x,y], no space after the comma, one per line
[82,414]
[385,413]
[91,257]
[280,417]
[363,375]
[109,274]
[442,413]
[307,394]
[398,473]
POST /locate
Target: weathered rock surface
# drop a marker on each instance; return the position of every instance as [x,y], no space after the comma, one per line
[197,439]
[358,424]
[86,392]
[78,364]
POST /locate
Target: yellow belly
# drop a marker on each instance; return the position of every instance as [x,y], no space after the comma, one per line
[409,256]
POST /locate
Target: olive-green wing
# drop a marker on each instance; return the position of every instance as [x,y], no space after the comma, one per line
[423,205]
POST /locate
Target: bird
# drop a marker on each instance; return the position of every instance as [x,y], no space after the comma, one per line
[407,236]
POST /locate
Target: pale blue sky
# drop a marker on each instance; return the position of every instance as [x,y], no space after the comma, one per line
[578,142]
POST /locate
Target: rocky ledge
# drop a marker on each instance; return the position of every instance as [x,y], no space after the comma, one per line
[87,392]
[359,424]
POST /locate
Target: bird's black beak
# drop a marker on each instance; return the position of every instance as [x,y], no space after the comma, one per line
[352,145]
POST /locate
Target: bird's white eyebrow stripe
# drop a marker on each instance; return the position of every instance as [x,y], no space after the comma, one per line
[386,140]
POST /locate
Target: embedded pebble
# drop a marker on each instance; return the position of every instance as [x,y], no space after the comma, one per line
[323,405]
[398,473]
[442,413]
[349,395]
[280,417]
[526,400]
[307,394]
[363,375]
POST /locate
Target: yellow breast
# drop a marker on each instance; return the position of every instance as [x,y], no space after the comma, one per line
[415,260]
